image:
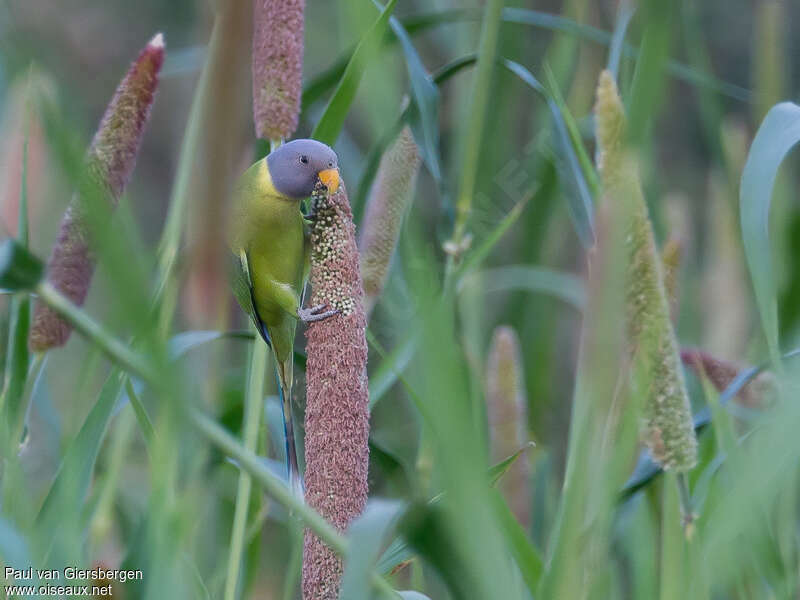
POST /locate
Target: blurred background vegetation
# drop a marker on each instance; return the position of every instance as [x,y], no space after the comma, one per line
[731,61]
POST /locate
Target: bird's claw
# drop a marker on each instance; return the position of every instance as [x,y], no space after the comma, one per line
[316,313]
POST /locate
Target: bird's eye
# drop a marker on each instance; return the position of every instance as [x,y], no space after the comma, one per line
[330,164]
[304,159]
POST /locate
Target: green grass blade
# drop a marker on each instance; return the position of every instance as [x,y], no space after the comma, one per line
[373,158]
[321,83]
[528,558]
[254,398]
[366,535]
[673,544]
[19,320]
[426,101]
[14,550]
[332,121]
[391,368]
[497,471]
[573,142]
[678,70]
[539,280]
[182,343]
[648,80]
[476,120]
[71,483]
[624,15]
[145,425]
[580,203]
[12,410]
[482,251]
[777,135]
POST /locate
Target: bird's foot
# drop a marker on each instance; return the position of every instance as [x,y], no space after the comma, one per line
[316,313]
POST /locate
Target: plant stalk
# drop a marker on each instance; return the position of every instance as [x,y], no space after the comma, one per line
[252,419]
[86,326]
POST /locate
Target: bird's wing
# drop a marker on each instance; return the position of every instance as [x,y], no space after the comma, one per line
[242,285]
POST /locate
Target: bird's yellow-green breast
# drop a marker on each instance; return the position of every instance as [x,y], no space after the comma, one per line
[269,227]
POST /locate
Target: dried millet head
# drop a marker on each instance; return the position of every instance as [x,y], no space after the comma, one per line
[337,392]
[277,66]
[111,159]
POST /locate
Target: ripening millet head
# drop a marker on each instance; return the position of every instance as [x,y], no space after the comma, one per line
[387,205]
[337,394]
[111,159]
[116,143]
[609,123]
[668,429]
[507,411]
[277,66]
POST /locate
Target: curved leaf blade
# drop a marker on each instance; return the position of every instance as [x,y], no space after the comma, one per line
[580,203]
[564,286]
[777,135]
[366,535]
[426,99]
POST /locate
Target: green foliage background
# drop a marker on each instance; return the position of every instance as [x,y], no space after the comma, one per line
[137,483]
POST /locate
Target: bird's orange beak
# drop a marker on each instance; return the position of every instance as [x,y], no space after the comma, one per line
[330,177]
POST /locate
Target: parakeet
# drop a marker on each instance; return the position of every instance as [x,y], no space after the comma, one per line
[270,247]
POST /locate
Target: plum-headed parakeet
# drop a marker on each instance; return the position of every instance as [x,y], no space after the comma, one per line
[270,248]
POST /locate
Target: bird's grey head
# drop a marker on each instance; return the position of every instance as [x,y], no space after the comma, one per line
[295,167]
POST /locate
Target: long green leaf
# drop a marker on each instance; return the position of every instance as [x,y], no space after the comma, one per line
[479,254]
[320,84]
[648,79]
[329,126]
[366,535]
[624,15]
[399,551]
[580,203]
[185,341]
[392,367]
[528,558]
[373,159]
[497,471]
[563,286]
[16,371]
[14,550]
[479,101]
[19,320]
[426,100]
[777,135]
[71,483]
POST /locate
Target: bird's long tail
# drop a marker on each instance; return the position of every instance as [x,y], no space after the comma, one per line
[284,371]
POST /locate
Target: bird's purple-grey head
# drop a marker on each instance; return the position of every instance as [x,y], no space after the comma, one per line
[296,166]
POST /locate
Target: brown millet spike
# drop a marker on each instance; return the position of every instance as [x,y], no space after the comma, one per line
[337,398]
[111,159]
[277,66]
